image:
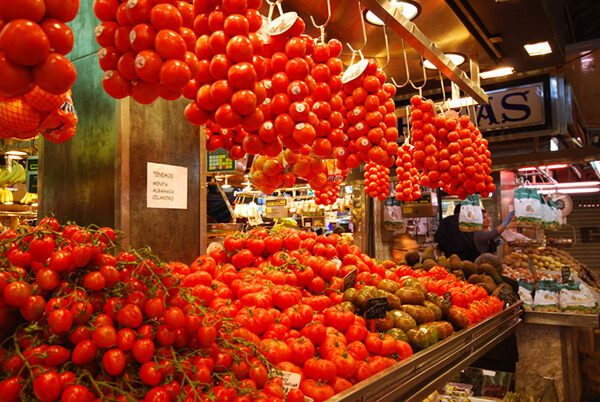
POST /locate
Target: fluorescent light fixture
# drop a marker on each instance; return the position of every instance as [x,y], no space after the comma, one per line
[575,184]
[571,190]
[409,11]
[538,49]
[16,153]
[499,72]
[456,58]
[531,168]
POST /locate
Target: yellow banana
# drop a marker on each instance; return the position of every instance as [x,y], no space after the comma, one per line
[9,197]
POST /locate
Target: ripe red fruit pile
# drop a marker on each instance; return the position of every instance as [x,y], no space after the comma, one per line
[377,181]
[86,324]
[147,48]
[449,151]
[228,139]
[227,83]
[372,124]
[33,43]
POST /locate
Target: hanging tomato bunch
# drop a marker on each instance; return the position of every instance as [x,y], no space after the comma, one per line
[33,43]
[450,151]
[227,84]
[147,49]
[372,124]
[407,188]
[377,181]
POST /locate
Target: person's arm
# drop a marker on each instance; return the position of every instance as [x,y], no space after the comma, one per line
[482,239]
[502,227]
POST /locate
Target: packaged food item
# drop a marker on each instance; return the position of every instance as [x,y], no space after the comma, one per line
[526,294]
[471,217]
[546,296]
[527,207]
[576,297]
[457,389]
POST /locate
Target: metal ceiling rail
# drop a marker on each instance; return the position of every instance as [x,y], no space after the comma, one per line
[393,18]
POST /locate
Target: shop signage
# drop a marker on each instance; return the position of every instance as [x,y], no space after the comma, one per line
[290,380]
[512,107]
[565,272]
[31,174]
[276,207]
[523,107]
[167,186]
[350,279]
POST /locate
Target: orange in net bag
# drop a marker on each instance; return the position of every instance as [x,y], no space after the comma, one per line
[18,116]
[61,124]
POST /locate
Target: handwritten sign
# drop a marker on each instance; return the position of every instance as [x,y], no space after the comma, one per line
[350,279]
[290,380]
[566,273]
[376,308]
[166,186]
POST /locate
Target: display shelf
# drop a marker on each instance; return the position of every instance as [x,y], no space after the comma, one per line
[561,319]
[415,378]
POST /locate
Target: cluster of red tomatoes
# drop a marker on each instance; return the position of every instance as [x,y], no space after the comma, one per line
[450,151]
[377,181]
[407,187]
[227,90]
[34,40]
[147,48]
[224,138]
[370,108]
[86,324]
[327,197]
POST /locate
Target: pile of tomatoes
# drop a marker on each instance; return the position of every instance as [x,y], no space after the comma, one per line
[33,43]
[407,188]
[83,320]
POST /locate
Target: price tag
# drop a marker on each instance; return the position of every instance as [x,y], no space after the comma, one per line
[448,297]
[376,308]
[350,279]
[507,295]
[290,380]
[566,273]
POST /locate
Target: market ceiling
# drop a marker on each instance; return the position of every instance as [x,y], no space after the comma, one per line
[490,32]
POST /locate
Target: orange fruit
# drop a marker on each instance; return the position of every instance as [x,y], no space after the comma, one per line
[272,167]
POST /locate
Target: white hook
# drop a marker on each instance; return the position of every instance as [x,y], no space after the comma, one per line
[420,88]
[272,4]
[321,28]
[387,48]
[364,31]
[406,68]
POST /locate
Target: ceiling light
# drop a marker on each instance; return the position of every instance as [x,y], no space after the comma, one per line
[574,184]
[538,49]
[456,58]
[408,9]
[16,153]
[531,169]
[499,72]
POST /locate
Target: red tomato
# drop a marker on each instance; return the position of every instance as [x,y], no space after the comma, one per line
[55,74]
[84,353]
[170,45]
[47,387]
[114,361]
[239,49]
[77,393]
[175,74]
[33,10]
[142,37]
[143,350]
[16,79]
[24,42]
[317,390]
[33,309]
[242,76]
[16,293]
[166,16]
[105,10]
[144,92]
[60,36]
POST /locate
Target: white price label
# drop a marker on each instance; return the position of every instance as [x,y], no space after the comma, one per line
[290,380]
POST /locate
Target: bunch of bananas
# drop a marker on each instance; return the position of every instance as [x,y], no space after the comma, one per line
[15,175]
[6,196]
[29,198]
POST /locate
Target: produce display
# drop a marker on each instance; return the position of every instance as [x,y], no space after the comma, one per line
[82,319]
